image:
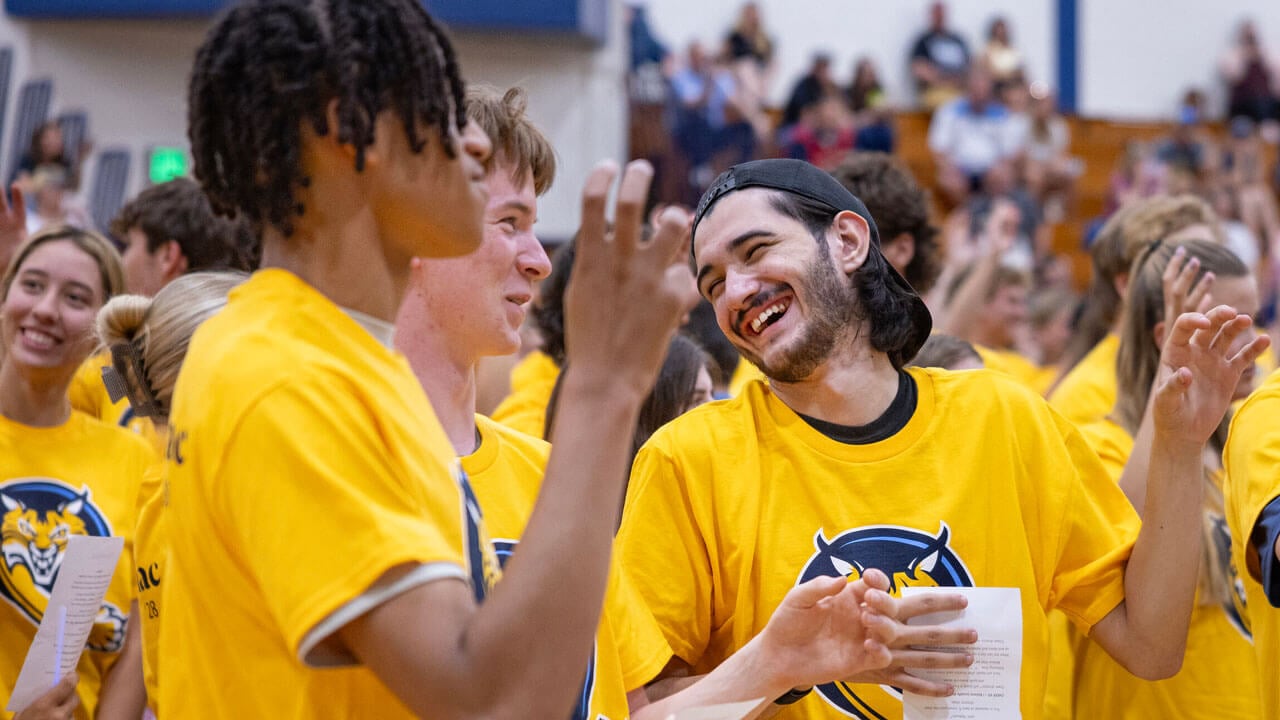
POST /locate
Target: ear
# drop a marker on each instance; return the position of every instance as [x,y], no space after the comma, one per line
[852,241]
[1121,284]
[899,251]
[1157,334]
[173,262]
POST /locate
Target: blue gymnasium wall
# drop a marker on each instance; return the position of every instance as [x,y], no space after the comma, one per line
[585,19]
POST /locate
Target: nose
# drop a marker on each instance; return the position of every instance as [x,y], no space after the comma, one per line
[476,143]
[534,263]
[46,308]
[739,289]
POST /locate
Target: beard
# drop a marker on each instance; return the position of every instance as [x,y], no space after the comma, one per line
[832,303]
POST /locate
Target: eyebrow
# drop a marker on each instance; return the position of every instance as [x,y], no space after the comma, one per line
[514,205]
[734,244]
[45,276]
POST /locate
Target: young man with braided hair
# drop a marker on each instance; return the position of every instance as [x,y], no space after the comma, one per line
[325,558]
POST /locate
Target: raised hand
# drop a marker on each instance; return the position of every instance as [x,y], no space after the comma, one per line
[1182,292]
[1199,372]
[626,294]
[885,618]
[13,224]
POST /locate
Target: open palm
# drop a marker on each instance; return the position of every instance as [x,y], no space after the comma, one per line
[1199,372]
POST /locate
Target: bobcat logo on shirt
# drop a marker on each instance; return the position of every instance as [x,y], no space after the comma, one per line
[40,515]
[911,558]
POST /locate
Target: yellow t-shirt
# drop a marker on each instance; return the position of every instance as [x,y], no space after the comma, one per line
[1252,458]
[1218,678]
[148,556]
[737,501]
[743,374]
[532,381]
[1088,391]
[89,395]
[506,472]
[304,463]
[78,478]
[1015,366]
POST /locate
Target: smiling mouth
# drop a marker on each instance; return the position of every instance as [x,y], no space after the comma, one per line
[755,321]
[41,340]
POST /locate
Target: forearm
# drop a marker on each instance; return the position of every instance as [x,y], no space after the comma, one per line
[1133,479]
[967,301]
[532,637]
[1161,576]
[123,695]
[746,675]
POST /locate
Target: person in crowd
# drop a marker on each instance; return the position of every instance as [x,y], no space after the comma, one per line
[708,117]
[908,238]
[1000,56]
[1086,391]
[50,204]
[168,230]
[865,90]
[1050,312]
[748,53]
[791,262]
[146,339]
[48,147]
[1252,509]
[824,134]
[1252,77]
[975,140]
[1048,170]
[63,473]
[1219,678]
[1189,151]
[458,310]
[810,90]
[939,60]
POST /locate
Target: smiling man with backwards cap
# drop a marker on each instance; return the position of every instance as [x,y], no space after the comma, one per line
[845,460]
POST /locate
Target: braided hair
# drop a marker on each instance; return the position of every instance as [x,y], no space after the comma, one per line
[268,66]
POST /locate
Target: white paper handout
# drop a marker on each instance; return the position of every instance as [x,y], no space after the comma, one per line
[726,711]
[83,577]
[990,688]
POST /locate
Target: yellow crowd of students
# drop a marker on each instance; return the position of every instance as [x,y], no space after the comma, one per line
[319,523]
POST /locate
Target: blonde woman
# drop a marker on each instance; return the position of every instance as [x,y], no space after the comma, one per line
[1219,678]
[62,473]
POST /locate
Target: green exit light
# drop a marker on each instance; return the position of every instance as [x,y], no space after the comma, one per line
[167,163]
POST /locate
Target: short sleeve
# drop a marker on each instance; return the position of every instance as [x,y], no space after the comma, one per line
[1099,528]
[1252,457]
[663,551]
[356,500]
[642,649]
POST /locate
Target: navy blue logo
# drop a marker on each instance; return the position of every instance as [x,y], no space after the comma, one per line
[484,566]
[505,549]
[1236,607]
[910,558]
[39,516]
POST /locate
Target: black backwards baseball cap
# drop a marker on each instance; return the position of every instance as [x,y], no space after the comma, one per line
[800,178]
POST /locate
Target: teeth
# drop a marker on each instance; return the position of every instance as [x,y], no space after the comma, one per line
[39,339]
[763,317]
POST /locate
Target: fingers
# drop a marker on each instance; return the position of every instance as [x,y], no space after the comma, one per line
[808,594]
[1185,326]
[1229,331]
[906,608]
[932,659]
[633,192]
[900,678]
[595,197]
[19,204]
[670,241]
[896,634]
[1218,318]
[876,580]
[1249,354]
